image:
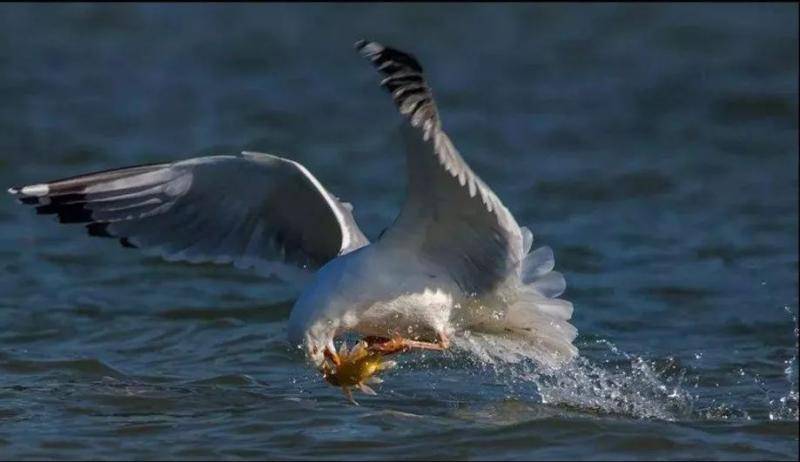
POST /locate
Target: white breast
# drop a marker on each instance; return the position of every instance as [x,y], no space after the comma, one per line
[415,315]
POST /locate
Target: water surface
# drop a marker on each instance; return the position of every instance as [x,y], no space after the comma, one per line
[653,147]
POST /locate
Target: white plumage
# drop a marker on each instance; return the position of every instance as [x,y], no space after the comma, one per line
[455,268]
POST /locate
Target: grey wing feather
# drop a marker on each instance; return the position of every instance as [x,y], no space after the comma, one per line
[451,216]
[251,210]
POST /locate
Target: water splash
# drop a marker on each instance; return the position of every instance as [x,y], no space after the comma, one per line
[620,384]
[786,407]
[607,381]
[611,381]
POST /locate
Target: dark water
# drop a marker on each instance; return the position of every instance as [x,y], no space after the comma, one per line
[653,147]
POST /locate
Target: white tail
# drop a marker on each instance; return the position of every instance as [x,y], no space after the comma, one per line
[534,323]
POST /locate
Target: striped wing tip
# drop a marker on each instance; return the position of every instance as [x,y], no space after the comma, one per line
[34,190]
[368,48]
[387,59]
[405,82]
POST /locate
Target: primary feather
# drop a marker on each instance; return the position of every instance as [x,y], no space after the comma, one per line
[250,210]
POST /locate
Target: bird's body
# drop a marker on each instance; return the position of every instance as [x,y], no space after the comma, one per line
[454,268]
[376,290]
[384,290]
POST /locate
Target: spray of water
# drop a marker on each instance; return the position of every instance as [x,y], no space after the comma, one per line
[619,384]
[614,382]
[786,407]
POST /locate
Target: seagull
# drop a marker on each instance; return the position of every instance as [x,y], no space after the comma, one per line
[454,270]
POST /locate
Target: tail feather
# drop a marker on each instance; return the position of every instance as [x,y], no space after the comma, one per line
[527,239]
[550,285]
[542,321]
[536,264]
[513,349]
[534,323]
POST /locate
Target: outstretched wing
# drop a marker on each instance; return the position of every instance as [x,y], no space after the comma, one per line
[250,210]
[450,216]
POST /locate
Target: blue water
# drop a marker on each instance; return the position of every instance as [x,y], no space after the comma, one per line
[653,147]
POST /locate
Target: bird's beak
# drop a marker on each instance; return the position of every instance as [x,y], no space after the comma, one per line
[333,356]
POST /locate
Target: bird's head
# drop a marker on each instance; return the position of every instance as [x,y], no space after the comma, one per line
[318,345]
[325,308]
[313,334]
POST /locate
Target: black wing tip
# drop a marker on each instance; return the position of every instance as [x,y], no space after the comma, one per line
[30,194]
[98,229]
[31,190]
[127,243]
[387,59]
[16,192]
[368,48]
